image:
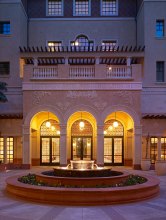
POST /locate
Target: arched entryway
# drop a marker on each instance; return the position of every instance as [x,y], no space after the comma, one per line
[82,140]
[113,143]
[119,139]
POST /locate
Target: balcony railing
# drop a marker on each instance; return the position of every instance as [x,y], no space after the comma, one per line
[85,72]
[45,73]
[119,72]
[79,72]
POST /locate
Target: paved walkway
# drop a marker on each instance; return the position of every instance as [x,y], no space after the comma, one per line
[16,209]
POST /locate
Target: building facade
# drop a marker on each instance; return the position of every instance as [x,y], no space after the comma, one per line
[85,80]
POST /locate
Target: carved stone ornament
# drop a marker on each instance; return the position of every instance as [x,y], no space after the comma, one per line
[39,95]
[81,94]
[100,105]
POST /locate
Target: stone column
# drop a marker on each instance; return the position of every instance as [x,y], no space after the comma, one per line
[63,145]
[137,147]
[159,149]
[26,151]
[100,145]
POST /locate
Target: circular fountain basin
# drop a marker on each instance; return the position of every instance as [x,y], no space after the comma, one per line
[79,178]
[84,196]
[82,164]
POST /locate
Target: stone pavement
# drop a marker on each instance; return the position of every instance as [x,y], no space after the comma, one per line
[12,208]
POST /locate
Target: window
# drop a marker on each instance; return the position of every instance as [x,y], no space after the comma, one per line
[55,7]
[4,27]
[81,7]
[2,149]
[55,45]
[160,71]
[82,43]
[153,149]
[109,7]
[163,148]
[109,45]
[10,149]
[4,68]
[160,28]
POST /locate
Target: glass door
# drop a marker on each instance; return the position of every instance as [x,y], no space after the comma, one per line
[113,151]
[49,150]
[45,150]
[81,148]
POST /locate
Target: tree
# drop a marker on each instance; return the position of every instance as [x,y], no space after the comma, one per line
[3,88]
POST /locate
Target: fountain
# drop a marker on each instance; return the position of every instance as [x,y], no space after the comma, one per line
[83,183]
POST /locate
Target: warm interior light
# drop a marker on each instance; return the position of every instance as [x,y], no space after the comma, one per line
[48,124]
[110,128]
[110,68]
[81,125]
[76,43]
[58,132]
[105,132]
[52,128]
[115,124]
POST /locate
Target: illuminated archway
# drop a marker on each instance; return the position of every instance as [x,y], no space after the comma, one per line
[81,140]
[118,141]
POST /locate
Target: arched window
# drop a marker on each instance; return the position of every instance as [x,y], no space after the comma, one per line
[82,42]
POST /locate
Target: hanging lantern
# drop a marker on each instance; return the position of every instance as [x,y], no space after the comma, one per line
[48,124]
[81,125]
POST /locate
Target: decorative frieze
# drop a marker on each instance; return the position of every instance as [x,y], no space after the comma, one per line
[39,95]
[81,94]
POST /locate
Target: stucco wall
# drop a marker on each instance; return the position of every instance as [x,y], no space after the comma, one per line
[124,31]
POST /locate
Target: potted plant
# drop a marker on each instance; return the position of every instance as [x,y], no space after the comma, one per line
[145,162]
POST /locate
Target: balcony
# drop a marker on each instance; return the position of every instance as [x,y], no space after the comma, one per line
[83,72]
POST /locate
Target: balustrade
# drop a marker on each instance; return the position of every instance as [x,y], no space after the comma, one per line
[119,72]
[45,72]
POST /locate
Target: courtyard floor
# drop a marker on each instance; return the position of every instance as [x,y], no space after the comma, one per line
[12,208]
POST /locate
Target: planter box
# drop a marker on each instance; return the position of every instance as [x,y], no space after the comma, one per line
[160,167]
[145,164]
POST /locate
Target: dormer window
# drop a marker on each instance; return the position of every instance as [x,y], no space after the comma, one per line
[82,43]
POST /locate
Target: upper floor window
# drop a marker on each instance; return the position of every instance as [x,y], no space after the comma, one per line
[54,45]
[160,71]
[4,27]
[160,28]
[109,45]
[81,7]
[82,43]
[55,7]
[4,68]
[109,7]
